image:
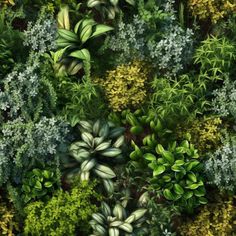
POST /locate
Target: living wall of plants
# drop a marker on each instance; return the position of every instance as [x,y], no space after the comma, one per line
[117,117]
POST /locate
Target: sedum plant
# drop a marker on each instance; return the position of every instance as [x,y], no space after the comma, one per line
[66,213]
[116,221]
[71,54]
[214,10]
[38,183]
[100,142]
[109,8]
[205,133]
[177,174]
[126,85]
[214,219]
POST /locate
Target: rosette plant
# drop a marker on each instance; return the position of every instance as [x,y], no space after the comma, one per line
[100,142]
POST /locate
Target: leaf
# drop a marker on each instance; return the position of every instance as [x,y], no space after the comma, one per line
[149,157]
[100,29]
[159,170]
[48,184]
[168,195]
[159,149]
[104,172]
[168,156]
[82,54]
[178,189]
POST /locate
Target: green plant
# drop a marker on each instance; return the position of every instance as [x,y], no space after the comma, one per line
[116,222]
[212,9]
[126,85]
[64,214]
[38,183]
[178,99]
[177,174]
[109,8]
[100,142]
[214,219]
[205,133]
[8,224]
[215,56]
[221,164]
[72,55]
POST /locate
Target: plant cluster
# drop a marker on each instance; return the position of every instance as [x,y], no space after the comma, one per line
[213,219]
[117,117]
[211,9]
[126,85]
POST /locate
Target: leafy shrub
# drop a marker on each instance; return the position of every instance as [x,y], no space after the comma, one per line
[177,174]
[205,133]
[39,143]
[41,35]
[126,85]
[38,183]
[213,219]
[215,56]
[225,99]
[64,214]
[147,37]
[212,9]
[8,224]
[178,99]
[10,40]
[220,168]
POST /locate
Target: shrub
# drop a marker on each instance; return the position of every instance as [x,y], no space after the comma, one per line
[220,168]
[64,214]
[212,9]
[126,85]
[213,219]
[205,133]
[8,224]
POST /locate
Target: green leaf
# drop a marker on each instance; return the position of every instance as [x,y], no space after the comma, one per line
[82,54]
[159,170]
[100,29]
[192,177]
[48,184]
[149,157]
[168,195]
[159,149]
[168,156]
[178,189]
[38,185]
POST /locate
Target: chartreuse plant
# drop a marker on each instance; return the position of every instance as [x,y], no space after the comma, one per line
[38,183]
[214,219]
[8,224]
[72,55]
[211,9]
[177,174]
[126,85]
[100,142]
[116,221]
[205,133]
[66,213]
[109,8]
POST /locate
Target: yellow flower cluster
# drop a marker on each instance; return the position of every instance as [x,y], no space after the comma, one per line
[126,85]
[205,134]
[213,220]
[7,223]
[213,9]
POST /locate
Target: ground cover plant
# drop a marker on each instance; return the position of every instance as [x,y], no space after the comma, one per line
[117,117]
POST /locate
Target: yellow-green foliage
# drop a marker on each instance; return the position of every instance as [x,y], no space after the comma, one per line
[205,134]
[125,86]
[7,223]
[213,9]
[216,219]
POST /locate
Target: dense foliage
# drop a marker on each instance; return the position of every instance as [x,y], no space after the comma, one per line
[117,117]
